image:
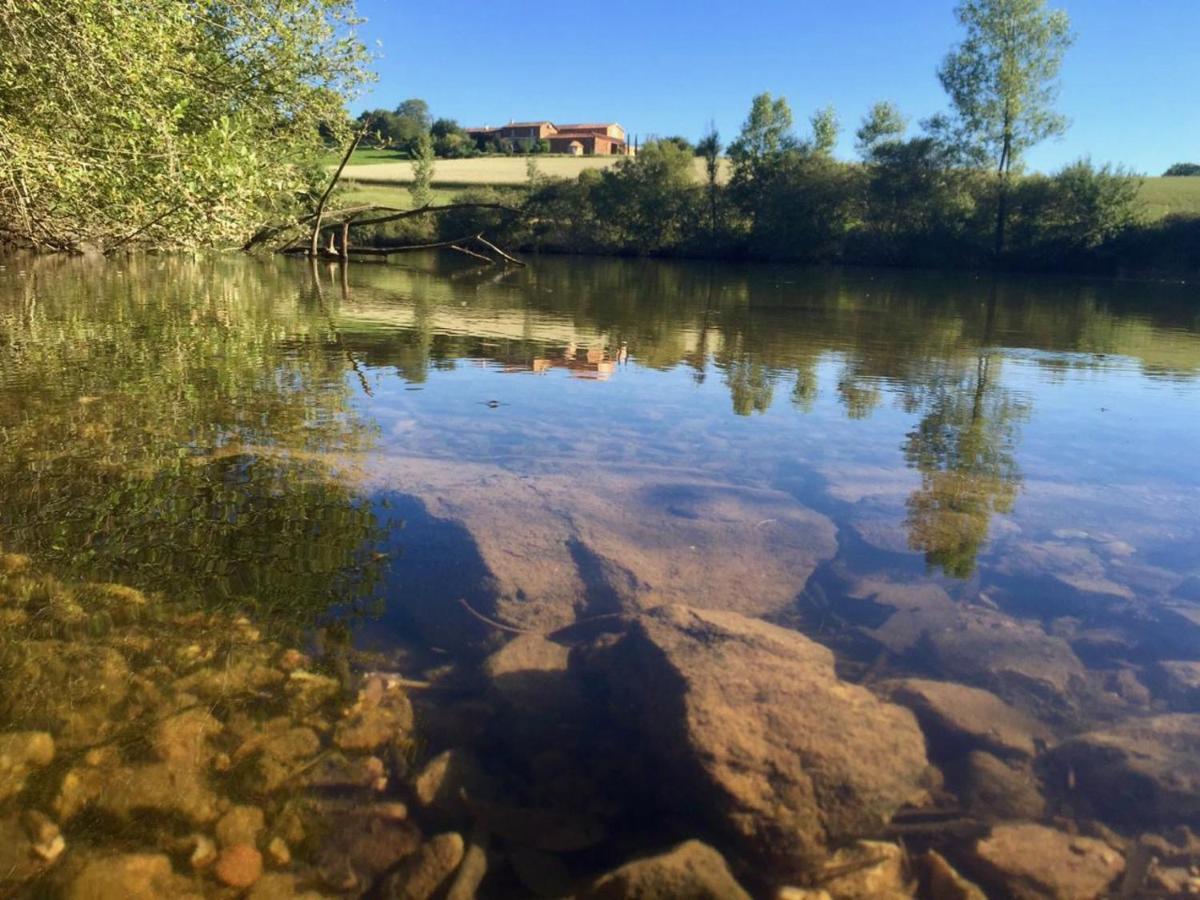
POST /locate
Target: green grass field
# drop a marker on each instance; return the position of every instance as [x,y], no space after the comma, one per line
[376,170]
[1167,196]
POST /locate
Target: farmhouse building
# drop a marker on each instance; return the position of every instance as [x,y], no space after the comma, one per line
[603,139]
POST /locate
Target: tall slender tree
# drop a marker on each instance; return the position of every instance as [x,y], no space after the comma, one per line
[1003,81]
[710,148]
[421,187]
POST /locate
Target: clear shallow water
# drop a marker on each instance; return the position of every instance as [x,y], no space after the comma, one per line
[584,437]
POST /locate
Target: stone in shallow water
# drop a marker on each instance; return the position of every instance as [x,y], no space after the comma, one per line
[943,882]
[134,876]
[1033,862]
[1013,658]
[1144,771]
[992,789]
[749,723]
[450,778]
[239,866]
[1178,683]
[867,870]
[241,825]
[21,752]
[973,717]
[422,874]
[381,714]
[69,689]
[560,547]
[692,869]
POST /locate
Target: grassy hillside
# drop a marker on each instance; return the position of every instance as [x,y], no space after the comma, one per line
[1166,196]
[376,169]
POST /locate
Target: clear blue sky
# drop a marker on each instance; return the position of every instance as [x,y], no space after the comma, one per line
[1130,85]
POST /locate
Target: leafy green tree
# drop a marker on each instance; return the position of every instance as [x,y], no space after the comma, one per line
[681,142]
[169,123]
[884,124]
[1182,170]
[825,128]
[1076,210]
[1003,80]
[450,140]
[647,203]
[421,187]
[765,138]
[410,121]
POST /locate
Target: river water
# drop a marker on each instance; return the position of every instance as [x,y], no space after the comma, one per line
[412,464]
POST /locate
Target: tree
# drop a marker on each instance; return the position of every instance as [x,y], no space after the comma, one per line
[450,140]
[709,147]
[421,187]
[410,121]
[647,203]
[1003,80]
[1182,170]
[167,123]
[825,128]
[884,124]
[681,142]
[765,138]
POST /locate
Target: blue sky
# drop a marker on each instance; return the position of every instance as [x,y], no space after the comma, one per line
[1130,85]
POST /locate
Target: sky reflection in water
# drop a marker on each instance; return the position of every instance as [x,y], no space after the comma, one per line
[601,435]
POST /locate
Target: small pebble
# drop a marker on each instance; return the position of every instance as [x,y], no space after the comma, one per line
[239,866]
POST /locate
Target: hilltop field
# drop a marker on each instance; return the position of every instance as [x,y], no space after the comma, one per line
[375,174]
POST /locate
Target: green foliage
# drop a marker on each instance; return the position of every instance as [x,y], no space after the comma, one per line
[170,452]
[169,123]
[1074,211]
[645,203]
[884,124]
[825,128]
[451,141]
[709,147]
[1182,170]
[1003,78]
[421,187]
[1002,81]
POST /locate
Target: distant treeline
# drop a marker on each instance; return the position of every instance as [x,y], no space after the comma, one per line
[952,194]
[911,201]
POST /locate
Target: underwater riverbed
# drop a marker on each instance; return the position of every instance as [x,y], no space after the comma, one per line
[596,578]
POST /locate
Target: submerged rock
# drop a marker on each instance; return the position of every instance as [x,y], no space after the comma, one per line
[22,752]
[450,781]
[753,730]
[241,825]
[867,870]
[422,874]
[1143,771]
[958,714]
[1013,658]
[692,869]
[239,866]
[994,790]
[381,714]
[68,688]
[941,881]
[134,876]
[1033,862]
[1178,683]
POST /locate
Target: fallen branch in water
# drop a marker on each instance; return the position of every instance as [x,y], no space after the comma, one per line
[482,618]
[316,229]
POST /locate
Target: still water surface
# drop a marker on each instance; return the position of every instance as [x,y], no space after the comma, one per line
[408,450]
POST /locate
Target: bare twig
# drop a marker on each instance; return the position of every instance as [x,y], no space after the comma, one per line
[316,230]
[495,249]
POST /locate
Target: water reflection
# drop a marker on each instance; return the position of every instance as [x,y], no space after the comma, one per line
[987,482]
[134,407]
